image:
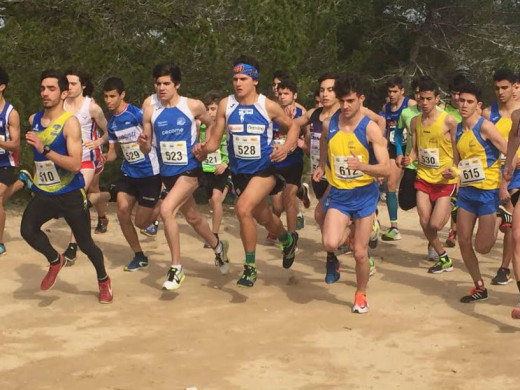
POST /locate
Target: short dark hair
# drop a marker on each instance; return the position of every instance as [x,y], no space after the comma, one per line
[63,83]
[504,74]
[83,76]
[288,84]
[316,92]
[211,97]
[114,83]
[458,80]
[426,83]
[243,59]
[167,69]
[327,76]
[414,84]
[394,81]
[280,74]
[347,83]
[4,78]
[471,88]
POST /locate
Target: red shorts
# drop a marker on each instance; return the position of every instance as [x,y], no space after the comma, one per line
[88,165]
[100,165]
[435,191]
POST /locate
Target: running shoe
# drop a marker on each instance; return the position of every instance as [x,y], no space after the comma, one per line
[164,193]
[432,255]
[372,265]
[506,217]
[476,294]
[137,263]
[374,235]
[344,249]
[454,208]
[248,277]
[105,291]
[70,254]
[50,279]
[101,225]
[360,304]
[515,313]
[3,251]
[300,221]
[289,251]
[112,190]
[332,275]
[271,239]
[392,234]
[502,277]
[452,239]
[174,279]
[303,194]
[444,264]
[221,259]
[25,177]
[151,231]
[206,245]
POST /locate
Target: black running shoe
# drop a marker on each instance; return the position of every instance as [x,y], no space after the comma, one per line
[476,294]
[248,277]
[502,277]
[289,251]
[70,254]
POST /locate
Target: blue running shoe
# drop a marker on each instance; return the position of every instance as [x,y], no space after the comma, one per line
[151,230]
[3,251]
[25,177]
[137,263]
[333,274]
[300,221]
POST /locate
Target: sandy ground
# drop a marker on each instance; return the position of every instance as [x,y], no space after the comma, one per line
[291,331]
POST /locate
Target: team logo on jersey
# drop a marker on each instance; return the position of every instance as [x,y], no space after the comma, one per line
[255,129]
[236,128]
[242,112]
[181,121]
[56,129]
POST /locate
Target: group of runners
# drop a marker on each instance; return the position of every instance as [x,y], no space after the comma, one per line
[447,160]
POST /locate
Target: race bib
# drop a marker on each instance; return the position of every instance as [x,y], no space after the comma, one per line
[46,173]
[429,157]
[132,153]
[2,138]
[342,170]
[174,152]
[391,137]
[315,151]
[213,159]
[247,147]
[279,141]
[471,171]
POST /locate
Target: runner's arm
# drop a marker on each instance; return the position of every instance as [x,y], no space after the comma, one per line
[382,167]
[145,138]
[13,143]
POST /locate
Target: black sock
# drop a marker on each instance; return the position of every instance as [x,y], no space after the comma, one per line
[331,256]
[140,254]
[73,246]
[216,235]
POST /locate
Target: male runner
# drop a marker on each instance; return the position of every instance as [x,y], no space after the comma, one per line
[499,114]
[397,102]
[352,154]
[139,181]
[479,145]
[432,134]
[58,184]
[170,126]
[90,117]
[248,117]
[215,167]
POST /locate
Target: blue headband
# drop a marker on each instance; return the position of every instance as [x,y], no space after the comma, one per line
[246,69]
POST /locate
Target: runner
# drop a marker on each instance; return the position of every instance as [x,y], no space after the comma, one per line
[499,114]
[433,132]
[215,167]
[9,148]
[58,184]
[479,144]
[139,181]
[248,118]
[90,117]
[397,102]
[352,154]
[170,126]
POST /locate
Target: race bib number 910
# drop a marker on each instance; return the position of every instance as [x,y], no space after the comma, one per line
[46,173]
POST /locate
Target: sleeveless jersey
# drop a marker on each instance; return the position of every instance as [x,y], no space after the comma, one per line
[502,124]
[296,156]
[89,131]
[480,164]
[219,156]
[7,158]
[435,153]
[342,145]
[454,112]
[392,118]
[249,134]
[125,128]
[175,135]
[50,178]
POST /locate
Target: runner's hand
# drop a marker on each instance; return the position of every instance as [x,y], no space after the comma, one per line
[317,174]
[448,174]
[220,169]
[279,153]
[199,151]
